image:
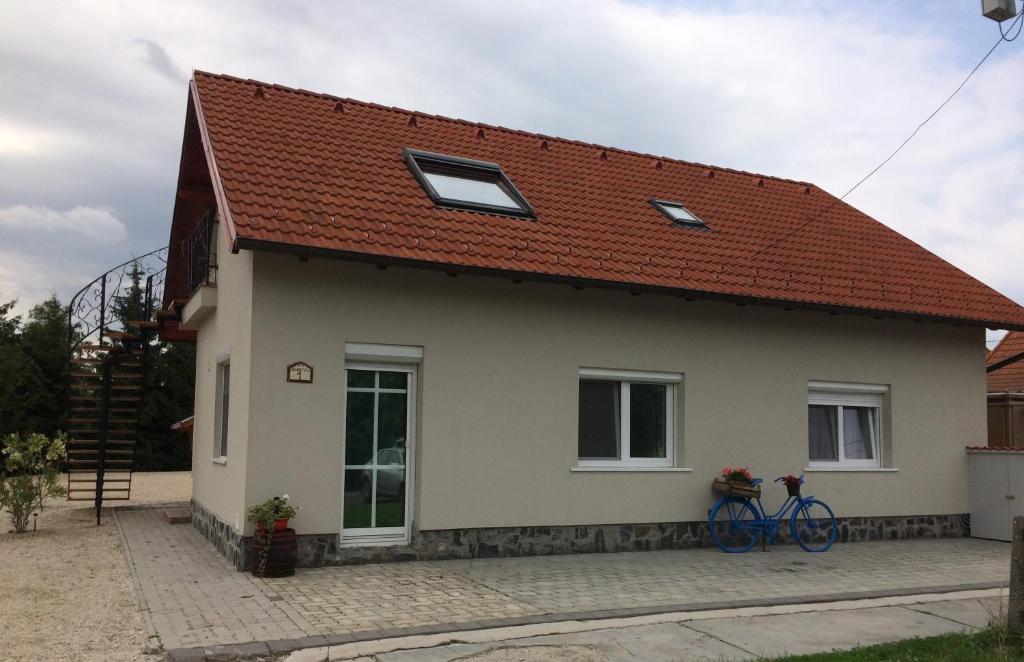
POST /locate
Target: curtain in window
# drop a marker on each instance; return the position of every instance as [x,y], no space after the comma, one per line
[823,433]
[858,433]
[647,420]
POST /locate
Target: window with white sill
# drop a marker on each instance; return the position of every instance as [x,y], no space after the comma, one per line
[220,450]
[845,425]
[626,418]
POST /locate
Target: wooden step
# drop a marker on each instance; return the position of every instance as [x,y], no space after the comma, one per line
[144,324]
[92,471]
[89,388]
[105,498]
[112,424]
[95,451]
[122,335]
[79,463]
[94,442]
[112,349]
[114,374]
[93,398]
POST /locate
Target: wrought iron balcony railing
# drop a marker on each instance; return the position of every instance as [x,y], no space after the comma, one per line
[104,304]
[201,253]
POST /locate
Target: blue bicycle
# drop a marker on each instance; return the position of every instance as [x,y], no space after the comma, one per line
[736,522]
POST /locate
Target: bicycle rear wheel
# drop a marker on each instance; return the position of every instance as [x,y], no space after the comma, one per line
[731,522]
[813,526]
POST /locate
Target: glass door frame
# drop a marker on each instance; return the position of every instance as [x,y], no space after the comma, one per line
[383,535]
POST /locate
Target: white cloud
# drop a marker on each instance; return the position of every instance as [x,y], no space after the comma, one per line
[94,223]
[816,91]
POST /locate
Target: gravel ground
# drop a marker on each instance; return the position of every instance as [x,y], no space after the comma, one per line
[65,590]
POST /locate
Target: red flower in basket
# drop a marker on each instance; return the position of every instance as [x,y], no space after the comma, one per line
[791,481]
[737,475]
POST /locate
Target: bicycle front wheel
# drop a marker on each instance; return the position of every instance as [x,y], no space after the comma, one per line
[813,526]
[732,525]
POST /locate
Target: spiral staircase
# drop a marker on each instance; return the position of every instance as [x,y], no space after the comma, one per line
[114,323]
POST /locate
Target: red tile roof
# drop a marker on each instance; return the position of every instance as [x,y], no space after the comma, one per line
[1009,378]
[314,171]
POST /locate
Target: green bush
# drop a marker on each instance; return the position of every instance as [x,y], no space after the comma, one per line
[30,475]
[266,513]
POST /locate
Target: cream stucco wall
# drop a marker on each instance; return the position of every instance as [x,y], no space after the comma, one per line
[220,487]
[498,390]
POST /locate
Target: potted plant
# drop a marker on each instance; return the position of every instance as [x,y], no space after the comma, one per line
[792,484]
[735,481]
[274,546]
[272,514]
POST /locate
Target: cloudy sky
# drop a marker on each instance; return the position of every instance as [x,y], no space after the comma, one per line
[93,103]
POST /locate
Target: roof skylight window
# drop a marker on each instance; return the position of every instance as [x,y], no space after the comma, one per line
[679,214]
[451,181]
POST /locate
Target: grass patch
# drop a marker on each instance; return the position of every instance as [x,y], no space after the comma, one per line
[989,645]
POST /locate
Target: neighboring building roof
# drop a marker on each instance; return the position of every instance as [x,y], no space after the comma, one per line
[1009,378]
[312,173]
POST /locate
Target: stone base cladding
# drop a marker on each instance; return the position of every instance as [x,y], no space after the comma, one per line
[323,549]
[228,541]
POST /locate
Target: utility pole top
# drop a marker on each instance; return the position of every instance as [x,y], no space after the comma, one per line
[999,10]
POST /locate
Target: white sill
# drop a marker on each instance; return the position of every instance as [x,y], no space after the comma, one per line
[633,469]
[885,470]
[220,459]
[369,542]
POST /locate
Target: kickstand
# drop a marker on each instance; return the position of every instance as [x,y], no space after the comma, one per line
[764,542]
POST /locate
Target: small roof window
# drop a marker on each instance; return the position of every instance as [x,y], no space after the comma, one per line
[451,181]
[679,214]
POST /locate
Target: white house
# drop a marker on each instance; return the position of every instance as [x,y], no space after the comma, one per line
[446,339]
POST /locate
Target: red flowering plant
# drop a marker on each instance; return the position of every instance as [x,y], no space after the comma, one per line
[792,484]
[737,475]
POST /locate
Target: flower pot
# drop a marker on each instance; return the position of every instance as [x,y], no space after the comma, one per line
[281,524]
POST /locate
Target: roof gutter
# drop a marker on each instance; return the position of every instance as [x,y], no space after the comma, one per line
[306,252]
[1013,358]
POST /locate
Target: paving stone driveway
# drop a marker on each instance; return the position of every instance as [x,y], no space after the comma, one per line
[191,597]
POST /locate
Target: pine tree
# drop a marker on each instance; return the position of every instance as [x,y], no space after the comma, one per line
[168,397]
[131,305]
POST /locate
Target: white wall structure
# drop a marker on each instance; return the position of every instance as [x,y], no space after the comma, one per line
[498,393]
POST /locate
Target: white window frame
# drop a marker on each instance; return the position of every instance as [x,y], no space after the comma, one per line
[624,378]
[391,358]
[839,395]
[221,427]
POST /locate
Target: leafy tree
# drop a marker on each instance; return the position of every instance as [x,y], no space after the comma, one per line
[21,390]
[20,381]
[44,342]
[8,324]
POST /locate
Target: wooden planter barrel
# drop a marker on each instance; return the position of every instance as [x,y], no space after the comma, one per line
[280,556]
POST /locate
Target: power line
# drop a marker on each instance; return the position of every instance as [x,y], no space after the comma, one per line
[1002,37]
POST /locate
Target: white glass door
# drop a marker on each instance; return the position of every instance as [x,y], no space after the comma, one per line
[378,444]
